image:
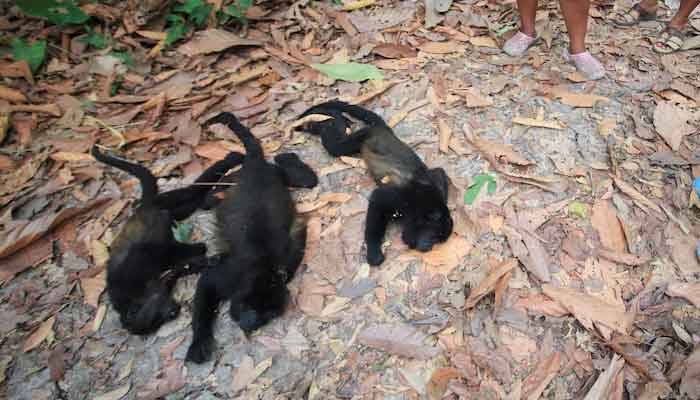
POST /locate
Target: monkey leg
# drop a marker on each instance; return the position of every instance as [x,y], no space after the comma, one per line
[181,203]
[382,204]
[205,308]
[295,172]
[440,179]
[295,252]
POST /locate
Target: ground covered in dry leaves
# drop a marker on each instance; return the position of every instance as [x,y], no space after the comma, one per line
[571,274]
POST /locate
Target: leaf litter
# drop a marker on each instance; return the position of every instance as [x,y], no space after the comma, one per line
[602,244]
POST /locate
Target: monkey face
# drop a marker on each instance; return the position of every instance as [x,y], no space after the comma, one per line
[426,223]
[155,309]
[266,303]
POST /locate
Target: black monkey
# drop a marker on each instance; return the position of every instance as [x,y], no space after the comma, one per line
[146,248]
[264,240]
[407,189]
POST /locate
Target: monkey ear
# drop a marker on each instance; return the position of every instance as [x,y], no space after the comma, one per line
[440,179]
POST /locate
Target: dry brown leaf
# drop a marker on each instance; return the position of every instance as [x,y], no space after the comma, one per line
[335,305]
[655,390]
[538,123]
[444,135]
[43,332]
[57,363]
[213,40]
[671,123]
[497,153]
[475,98]
[437,385]
[93,288]
[25,233]
[4,127]
[541,304]
[217,150]
[446,256]
[639,199]
[403,113]
[18,69]
[577,99]
[12,95]
[67,156]
[247,372]
[602,385]
[688,291]
[604,220]
[622,258]
[492,360]
[322,201]
[540,378]
[400,339]
[390,50]
[441,47]
[590,310]
[690,383]
[169,380]
[683,248]
[606,126]
[483,41]
[116,394]
[395,65]
[487,285]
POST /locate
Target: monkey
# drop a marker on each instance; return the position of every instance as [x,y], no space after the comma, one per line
[407,190]
[145,249]
[264,241]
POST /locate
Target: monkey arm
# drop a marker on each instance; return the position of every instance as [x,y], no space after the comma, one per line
[295,172]
[382,204]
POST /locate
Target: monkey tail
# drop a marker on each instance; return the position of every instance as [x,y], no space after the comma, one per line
[252,146]
[149,186]
[332,107]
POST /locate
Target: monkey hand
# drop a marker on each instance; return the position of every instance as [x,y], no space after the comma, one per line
[375,256]
[200,350]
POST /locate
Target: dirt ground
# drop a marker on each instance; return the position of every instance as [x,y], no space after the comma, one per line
[575,278]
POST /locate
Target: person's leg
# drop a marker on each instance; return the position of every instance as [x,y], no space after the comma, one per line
[576,18]
[517,45]
[680,20]
[645,10]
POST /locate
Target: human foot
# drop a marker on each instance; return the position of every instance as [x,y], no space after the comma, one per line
[633,16]
[587,65]
[517,45]
[670,40]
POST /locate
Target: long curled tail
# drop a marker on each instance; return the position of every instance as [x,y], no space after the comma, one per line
[253,149]
[331,108]
[149,185]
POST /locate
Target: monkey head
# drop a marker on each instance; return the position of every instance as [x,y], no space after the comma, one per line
[146,313]
[426,219]
[267,302]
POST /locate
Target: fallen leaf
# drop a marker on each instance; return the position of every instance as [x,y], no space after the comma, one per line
[444,135]
[247,372]
[604,220]
[602,385]
[475,98]
[671,123]
[335,305]
[217,150]
[497,153]
[403,113]
[66,156]
[12,95]
[399,339]
[639,199]
[591,311]
[213,40]
[57,363]
[622,258]
[688,291]
[390,50]
[539,379]
[295,342]
[540,304]
[43,332]
[169,380]
[577,99]
[437,385]
[93,288]
[690,383]
[441,47]
[446,256]
[483,41]
[606,126]
[492,360]
[529,251]
[538,123]
[116,394]
[25,233]
[655,390]
[488,284]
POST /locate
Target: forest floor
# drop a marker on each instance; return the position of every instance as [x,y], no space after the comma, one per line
[573,277]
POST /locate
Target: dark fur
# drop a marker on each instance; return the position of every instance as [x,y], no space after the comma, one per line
[407,189]
[146,248]
[265,241]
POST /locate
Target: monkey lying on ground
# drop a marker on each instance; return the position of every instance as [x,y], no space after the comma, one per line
[146,247]
[265,240]
[407,189]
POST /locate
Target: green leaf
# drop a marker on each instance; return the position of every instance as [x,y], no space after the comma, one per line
[59,12]
[126,58]
[176,30]
[182,231]
[197,10]
[95,39]
[238,9]
[33,54]
[578,209]
[351,72]
[479,181]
